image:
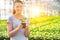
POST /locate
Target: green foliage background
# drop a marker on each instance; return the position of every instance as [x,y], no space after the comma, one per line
[43,27]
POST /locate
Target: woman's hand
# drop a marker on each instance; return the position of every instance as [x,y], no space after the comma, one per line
[27,31]
[20,26]
[27,28]
[11,31]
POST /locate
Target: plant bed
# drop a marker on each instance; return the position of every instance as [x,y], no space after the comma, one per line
[35,38]
[56,39]
[7,38]
[42,38]
[2,38]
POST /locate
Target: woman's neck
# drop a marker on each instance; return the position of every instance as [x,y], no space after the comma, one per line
[19,16]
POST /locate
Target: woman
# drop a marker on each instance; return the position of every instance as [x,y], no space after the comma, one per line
[16,31]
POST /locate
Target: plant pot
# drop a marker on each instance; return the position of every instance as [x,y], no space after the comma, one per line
[24,25]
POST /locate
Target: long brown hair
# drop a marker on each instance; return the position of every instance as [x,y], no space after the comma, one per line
[16,1]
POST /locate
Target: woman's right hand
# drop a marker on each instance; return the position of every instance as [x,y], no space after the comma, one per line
[20,26]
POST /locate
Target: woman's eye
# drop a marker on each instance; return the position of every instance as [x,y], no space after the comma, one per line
[19,6]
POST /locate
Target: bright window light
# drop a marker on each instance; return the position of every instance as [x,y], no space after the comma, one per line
[35,11]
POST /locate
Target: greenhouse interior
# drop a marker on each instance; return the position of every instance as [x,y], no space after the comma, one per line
[44,17]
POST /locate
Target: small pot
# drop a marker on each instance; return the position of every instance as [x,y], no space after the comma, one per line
[24,25]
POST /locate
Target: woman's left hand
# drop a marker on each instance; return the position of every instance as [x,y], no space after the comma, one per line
[27,31]
[27,27]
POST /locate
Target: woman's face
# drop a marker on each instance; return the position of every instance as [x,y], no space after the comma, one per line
[18,7]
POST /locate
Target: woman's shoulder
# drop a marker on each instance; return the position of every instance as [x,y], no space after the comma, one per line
[10,17]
